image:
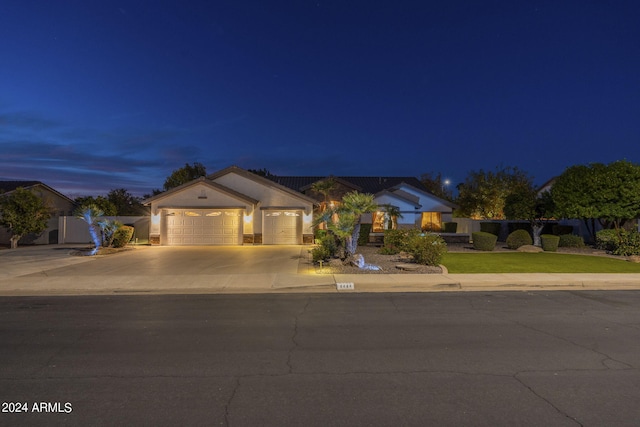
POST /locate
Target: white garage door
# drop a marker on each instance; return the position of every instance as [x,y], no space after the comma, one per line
[203,227]
[282,227]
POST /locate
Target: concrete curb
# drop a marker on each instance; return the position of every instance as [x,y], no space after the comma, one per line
[41,284]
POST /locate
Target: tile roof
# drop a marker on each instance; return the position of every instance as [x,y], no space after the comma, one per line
[364,184]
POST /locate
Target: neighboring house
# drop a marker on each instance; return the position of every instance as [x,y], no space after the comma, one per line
[59,204]
[547,185]
[418,207]
[231,207]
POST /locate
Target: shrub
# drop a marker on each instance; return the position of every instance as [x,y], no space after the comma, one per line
[491,227]
[427,249]
[550,242]
[483,241]
[122,236]
[320,233]
[519,238]
[450,227]
[571,241]
[395,241]
[561,230]
[363,238]
[327,248]
[607,239]
[628,244]
[320,253]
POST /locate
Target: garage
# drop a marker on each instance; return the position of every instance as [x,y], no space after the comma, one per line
[185,227]
[282,227]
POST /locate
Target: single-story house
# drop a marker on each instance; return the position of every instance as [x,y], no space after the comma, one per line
[231,207]
[234,207]
[59,204]
[417,206]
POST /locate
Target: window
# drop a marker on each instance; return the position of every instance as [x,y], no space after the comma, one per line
[431,221]
[383,221]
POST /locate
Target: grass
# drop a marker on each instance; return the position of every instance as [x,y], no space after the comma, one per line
[518,262]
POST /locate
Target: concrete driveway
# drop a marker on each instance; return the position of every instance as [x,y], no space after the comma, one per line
[148,269]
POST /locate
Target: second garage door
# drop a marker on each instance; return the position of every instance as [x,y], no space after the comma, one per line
[203,227]
[282,227]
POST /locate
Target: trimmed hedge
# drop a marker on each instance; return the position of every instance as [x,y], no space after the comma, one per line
[519,238]
[550,242]
[122,236]
[571,241]
[483,241]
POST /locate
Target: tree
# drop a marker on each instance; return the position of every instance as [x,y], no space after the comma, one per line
[483,193]
[125,203]
[108,208]
[437,185]
[185,174]
[324,187]
[91,215]
[22,213]
[609,194]
[526,204]
[262,172]
[108,230]
[344,220]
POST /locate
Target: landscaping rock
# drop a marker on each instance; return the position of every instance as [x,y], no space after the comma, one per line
[530,248]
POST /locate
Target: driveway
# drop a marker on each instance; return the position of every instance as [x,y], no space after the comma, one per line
[147,269]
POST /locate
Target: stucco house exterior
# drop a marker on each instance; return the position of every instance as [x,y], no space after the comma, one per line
[59,204]
[234,206]
[231,207]
[418,207]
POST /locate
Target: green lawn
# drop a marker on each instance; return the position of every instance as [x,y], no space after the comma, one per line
[544,262]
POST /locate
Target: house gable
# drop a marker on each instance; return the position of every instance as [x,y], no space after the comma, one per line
[269,193]
[59,203]
[201,193]
[428,202]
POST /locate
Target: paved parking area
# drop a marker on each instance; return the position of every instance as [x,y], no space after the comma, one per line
[151,261]
[55,270]
[36,259]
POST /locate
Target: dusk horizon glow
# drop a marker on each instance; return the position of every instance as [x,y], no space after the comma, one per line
[97,96]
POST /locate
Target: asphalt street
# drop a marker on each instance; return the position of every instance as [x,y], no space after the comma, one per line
[563,358]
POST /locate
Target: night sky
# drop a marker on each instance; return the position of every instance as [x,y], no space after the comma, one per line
[97,95]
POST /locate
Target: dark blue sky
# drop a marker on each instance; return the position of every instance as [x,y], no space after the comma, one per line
[96,95]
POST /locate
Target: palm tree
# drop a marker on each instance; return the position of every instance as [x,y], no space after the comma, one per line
[344,220]
[324,187]
[90,214]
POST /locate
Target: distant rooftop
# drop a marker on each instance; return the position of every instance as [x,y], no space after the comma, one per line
[364,184]
[6,186]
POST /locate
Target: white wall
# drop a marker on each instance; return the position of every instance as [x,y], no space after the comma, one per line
[76,230]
